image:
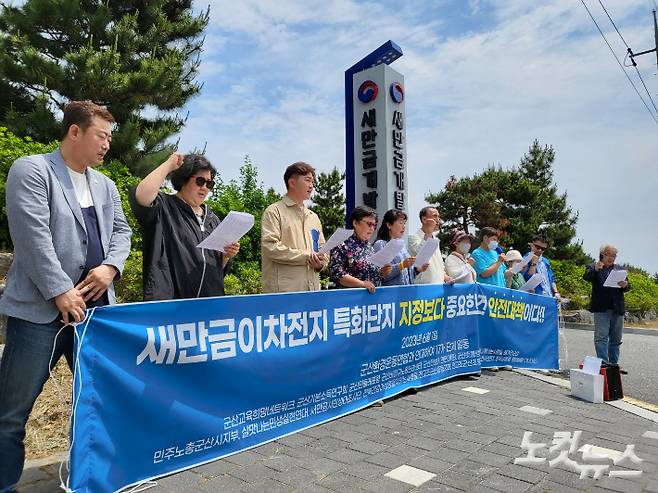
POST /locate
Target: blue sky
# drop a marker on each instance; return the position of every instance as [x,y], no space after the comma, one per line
[483,80]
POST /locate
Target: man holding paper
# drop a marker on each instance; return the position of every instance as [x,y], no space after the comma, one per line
[436,272]
[291,237]
[173,226]
[607,304]
[537,263]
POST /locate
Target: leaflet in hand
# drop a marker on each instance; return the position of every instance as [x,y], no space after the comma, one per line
[465,273]
[426,251]
[230,230]
[339,236]
[614,278]
[388,253]
[518,267]
[532,283]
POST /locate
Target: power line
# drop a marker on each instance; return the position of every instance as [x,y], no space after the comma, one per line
[630,52]
[645,88]
[613,24]
[619,62]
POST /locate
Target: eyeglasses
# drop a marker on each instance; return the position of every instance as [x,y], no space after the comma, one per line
[540,248]
[370,224]
[201,181]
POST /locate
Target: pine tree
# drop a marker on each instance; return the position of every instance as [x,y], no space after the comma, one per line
[519,202]
[139,58]
[329,202]
[536,206]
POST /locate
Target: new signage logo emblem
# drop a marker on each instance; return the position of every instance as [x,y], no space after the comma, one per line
[367,91]
[397,92]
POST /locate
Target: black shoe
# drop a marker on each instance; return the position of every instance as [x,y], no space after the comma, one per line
[623,372]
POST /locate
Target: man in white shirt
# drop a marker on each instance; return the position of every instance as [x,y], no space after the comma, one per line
[436,272]
[71,241]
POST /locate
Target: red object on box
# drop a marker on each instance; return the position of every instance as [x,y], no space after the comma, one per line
[612,387]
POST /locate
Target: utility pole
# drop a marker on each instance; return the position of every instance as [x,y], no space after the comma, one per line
[655,49]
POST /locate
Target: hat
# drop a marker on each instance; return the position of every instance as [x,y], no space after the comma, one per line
[513,255]
[459,235]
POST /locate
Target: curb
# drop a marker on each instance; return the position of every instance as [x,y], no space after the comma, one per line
[627,330]
[623,404]
[46,461]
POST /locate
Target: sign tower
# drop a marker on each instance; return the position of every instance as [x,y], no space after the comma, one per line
[375,133]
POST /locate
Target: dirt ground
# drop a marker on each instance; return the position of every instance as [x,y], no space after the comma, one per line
[653,324]
[47,429]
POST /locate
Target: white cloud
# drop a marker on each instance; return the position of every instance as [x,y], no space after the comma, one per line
[475,97]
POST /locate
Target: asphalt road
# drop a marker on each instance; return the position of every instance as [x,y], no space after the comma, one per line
[637,355]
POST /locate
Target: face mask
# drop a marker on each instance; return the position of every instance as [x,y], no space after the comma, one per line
[463,247]
[493,244]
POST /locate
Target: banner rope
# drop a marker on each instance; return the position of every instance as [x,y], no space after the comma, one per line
[143,486]
[562,362]
[76,365]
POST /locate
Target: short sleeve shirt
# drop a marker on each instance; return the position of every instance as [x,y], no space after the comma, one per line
[483,260]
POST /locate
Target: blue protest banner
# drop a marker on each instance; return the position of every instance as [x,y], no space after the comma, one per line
[505,342]
[163,386]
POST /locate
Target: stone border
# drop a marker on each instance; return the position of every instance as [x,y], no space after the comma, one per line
[627,330]
[46,461]
[620,404]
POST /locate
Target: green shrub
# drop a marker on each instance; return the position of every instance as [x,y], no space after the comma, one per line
[11,148]
[643,295]
[121,176]
[248,195]
[570,283]
[244,278]
[129,286]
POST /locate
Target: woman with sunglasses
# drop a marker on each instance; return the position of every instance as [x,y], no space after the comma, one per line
[348,263]
[173,226]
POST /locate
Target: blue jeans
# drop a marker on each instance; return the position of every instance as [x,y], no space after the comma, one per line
[608,327]
[23,372]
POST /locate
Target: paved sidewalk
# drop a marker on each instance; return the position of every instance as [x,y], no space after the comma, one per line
[454,439]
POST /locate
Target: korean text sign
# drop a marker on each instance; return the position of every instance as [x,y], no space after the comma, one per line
[164,386]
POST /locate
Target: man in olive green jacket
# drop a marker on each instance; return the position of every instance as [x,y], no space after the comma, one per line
[291,235]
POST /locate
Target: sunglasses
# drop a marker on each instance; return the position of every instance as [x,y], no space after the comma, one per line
[540,248]
[201,181]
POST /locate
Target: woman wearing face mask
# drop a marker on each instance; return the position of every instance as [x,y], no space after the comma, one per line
[173,226]
[457,264]
[489,264]
[513,280]
[402,271]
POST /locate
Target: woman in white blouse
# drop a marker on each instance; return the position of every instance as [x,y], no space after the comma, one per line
[457,264]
